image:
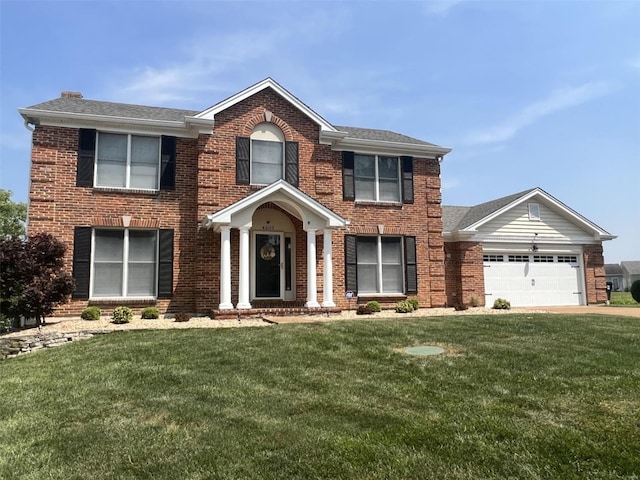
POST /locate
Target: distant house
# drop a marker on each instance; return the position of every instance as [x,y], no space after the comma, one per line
[614,275]
[630,272]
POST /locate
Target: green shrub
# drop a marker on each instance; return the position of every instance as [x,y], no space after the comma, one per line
[413,302]
[91,313]
[182,317]
[404,306]
[363,310]
[473,301]
[622,298]
[5,323]
[374,306]
[150,313]
[501,304]
[122,315]
[635,290]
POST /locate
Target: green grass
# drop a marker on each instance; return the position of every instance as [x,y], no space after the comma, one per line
[516,396]
[624,299]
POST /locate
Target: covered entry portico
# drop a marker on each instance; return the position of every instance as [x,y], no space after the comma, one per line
[262,253]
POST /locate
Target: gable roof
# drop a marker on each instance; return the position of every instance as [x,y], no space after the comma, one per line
[459,218]
[276,192]
[632,267]
[268,82]
[466,220]
[74,111]
[612,269]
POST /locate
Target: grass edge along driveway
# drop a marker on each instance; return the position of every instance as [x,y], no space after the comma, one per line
[515,396]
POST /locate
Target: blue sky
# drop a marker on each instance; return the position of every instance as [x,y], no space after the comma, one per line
[528,93]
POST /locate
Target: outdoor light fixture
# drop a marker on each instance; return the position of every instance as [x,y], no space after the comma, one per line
[534,247]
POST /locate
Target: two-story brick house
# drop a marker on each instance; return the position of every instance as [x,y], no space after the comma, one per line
[255,202]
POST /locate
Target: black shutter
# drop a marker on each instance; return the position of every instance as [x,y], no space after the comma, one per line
[86,157]
[410,264]
[81,261]
[351,263]
[291,163]
[243,160]
[407,179]
[168,163]
[348,181]
[165,264]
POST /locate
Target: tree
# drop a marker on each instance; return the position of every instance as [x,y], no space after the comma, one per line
[13,215]
[33,280]
[635,290]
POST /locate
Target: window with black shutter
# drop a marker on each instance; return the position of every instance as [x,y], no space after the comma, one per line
[81,261]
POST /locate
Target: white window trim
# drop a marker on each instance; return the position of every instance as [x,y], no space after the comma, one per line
[380,291]
[533,210]
[377,180]
[128,166]
[125,267]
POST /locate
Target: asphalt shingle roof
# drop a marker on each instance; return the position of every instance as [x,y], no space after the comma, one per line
[612,269]
[457,218]
[111,109]
[633,267]
[124,110]
[381,135]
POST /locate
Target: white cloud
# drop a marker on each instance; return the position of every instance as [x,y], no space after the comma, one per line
[208,62]
[559,100]
[441,7]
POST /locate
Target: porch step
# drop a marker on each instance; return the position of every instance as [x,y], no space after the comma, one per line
[273,311]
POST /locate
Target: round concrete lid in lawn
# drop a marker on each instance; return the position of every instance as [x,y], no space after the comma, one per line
[424,350]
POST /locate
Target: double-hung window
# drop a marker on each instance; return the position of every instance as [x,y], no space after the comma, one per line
[377,178]
[267,154]
[127,161]
[380,265]
[125,263]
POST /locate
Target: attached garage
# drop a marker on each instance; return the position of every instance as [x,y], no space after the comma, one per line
[528,279]
[528,248]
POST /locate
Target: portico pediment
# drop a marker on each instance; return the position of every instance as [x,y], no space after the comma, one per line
[314,215]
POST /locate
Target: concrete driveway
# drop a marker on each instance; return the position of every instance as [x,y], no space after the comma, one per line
[596,309]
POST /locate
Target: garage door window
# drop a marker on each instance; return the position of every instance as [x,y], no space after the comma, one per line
[518,258]
[543,258]
[567,259]
[493,258]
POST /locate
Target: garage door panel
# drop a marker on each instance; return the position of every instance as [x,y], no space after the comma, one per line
[527,284]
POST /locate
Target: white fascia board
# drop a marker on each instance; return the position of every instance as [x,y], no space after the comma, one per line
[211,112]
[130,125]
[224,216]
[381,147]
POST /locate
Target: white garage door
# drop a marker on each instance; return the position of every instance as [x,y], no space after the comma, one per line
[528,280]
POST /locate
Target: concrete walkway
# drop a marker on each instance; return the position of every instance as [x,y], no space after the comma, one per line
[596,309]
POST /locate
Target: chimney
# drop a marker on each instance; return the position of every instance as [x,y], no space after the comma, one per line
[71,95]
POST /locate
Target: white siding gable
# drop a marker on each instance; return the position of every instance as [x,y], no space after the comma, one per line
[515,222]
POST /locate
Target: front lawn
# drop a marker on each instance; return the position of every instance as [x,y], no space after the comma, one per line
[624,299]
[516,396]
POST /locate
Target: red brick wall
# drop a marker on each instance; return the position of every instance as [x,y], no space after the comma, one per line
[464,273]
[205,183]
[595,279]
[56,206]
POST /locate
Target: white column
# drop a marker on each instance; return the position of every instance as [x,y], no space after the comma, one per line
[243,287]
[225,269]
[312,287]
[327,294]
